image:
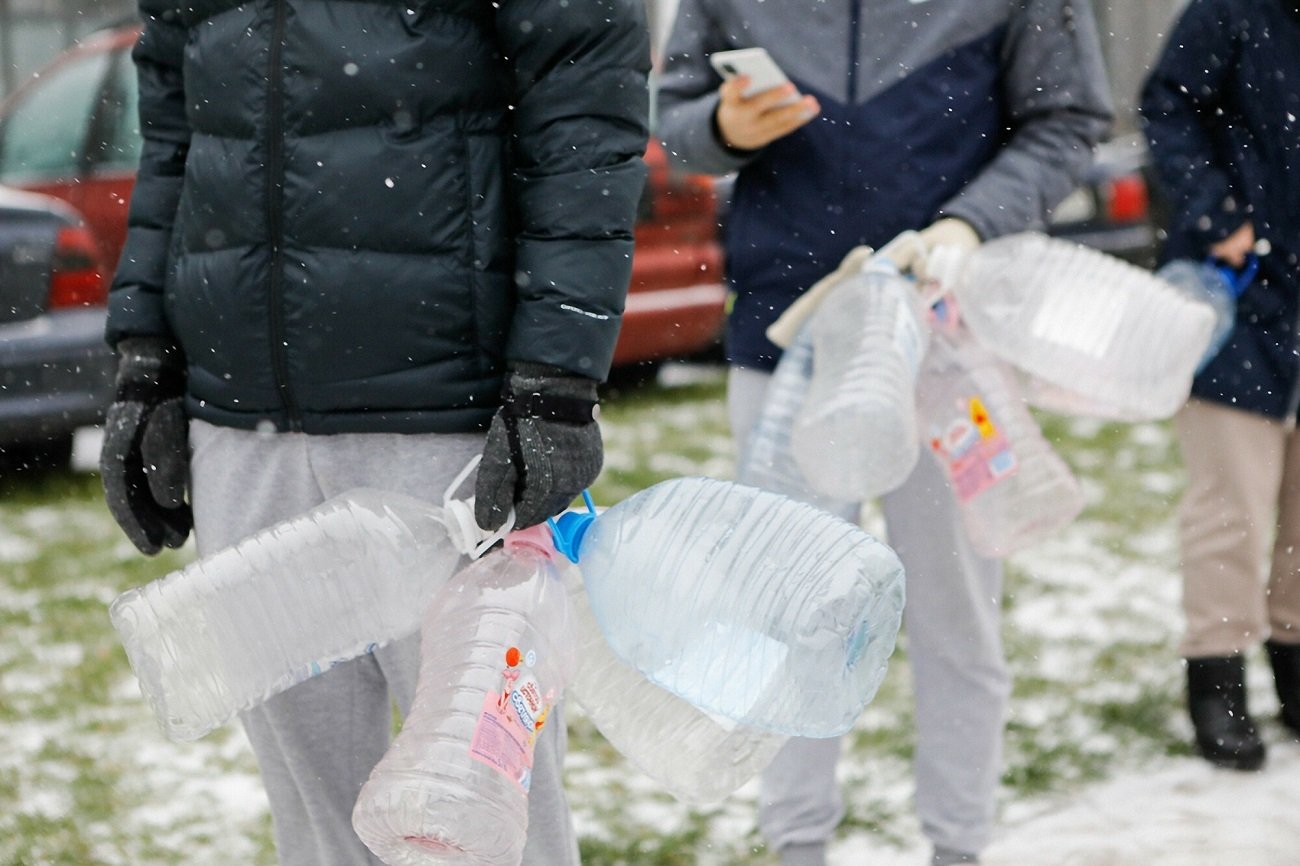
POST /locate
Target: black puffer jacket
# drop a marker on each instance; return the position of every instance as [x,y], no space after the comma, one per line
[351,213]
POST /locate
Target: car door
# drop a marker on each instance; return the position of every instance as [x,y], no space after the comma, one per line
[72,133]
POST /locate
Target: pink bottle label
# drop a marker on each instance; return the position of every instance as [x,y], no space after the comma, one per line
[510,721]
[974,452]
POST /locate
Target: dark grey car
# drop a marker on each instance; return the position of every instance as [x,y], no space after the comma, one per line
[55,370]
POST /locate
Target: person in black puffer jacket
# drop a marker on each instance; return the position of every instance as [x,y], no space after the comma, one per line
[362,235]
[1220,111]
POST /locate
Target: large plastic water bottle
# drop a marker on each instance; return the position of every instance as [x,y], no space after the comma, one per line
[245,623]
[768,462]
[496,654]
[697,757]
[769,612]
[1011,488]
[855,436]
[1104,337]
[1217,284]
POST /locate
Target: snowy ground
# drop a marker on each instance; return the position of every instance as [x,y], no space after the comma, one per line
[1179,813]
[1098,768]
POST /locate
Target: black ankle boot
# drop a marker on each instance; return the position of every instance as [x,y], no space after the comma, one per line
[1216,698]
[1286,673]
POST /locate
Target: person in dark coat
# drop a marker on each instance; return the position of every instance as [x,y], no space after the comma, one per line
[362,235]
[1220,110]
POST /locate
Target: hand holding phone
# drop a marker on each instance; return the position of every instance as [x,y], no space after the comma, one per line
[769,107]
[757,65]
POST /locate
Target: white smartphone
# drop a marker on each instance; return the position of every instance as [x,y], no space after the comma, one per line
[762,70]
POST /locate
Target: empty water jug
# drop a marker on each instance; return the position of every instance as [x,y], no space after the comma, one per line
[1217,284]
[768,462]
[496,653]
[245,623]
[769,612]
[1012,489]
[855,435]
[1094,335]
[697,757]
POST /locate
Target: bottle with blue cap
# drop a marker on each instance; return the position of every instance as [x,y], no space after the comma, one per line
[697,757]
[765,611]
[1217,284]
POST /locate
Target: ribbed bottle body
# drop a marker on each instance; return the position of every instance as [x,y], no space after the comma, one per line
[768,462]
[697,757]
[1095,335]
[247,622]
[855,435]
[769,612]
[496,654]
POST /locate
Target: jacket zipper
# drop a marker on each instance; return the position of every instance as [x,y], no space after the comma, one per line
[275,213]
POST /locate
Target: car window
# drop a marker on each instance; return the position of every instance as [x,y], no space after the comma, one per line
[45,133]
[116,141]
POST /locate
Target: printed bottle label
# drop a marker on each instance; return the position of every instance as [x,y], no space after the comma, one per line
[974,452]
[511,719]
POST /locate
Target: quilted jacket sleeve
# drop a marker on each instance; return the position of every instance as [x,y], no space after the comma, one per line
[579,128]
[135,299]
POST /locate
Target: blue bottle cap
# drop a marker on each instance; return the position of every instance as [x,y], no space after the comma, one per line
[1237,280]
[568,530]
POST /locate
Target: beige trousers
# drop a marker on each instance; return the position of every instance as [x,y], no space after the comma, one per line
[1239,525]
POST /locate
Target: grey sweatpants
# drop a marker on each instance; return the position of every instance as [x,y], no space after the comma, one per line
[317,742]
[952,620]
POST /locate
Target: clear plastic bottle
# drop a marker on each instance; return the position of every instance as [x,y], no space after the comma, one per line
[245,623]
[1216,284]
[766,611]
[855,436]
[1011,488]
[1095,335]
[768,462]
[496,653]
[697,757]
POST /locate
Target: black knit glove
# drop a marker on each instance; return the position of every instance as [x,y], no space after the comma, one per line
[144,460]
[542,450]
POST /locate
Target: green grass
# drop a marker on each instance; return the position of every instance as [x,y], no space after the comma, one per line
[86,778]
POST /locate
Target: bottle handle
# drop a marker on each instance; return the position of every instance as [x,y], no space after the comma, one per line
[458,515]
[568,530]
[1238,280]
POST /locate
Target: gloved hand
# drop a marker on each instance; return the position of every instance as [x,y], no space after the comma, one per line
[941,242]
[542,449]
[144,461]
[910,252]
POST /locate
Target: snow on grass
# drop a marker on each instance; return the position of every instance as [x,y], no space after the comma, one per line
[1098,771]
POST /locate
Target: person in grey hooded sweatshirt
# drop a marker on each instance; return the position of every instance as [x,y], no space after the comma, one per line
[367,242]
[966,120]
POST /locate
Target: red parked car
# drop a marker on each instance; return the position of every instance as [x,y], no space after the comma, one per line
[72,133]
